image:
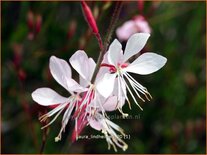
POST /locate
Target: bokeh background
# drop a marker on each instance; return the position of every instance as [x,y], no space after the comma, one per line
[173,122]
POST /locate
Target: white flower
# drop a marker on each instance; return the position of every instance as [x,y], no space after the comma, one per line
[61,72]
[92,101]
[118,68]
[107,127]
[85,66]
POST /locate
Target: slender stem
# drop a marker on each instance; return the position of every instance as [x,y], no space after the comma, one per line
[98,37]
[25,106]
[44,137]
[110,31]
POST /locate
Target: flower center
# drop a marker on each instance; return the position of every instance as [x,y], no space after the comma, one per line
[114,69]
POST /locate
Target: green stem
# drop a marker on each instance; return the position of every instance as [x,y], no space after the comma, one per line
[110,31]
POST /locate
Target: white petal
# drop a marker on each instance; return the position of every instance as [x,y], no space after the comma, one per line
[114,52]
[78,61]
[95,124]
[111,104]
[47,96]
[60,70]
[73,86]
[147,63]
[134,45]
[90,69]
[83,82]
[106,85]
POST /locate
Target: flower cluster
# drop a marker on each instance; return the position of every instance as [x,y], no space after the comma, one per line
[89,102]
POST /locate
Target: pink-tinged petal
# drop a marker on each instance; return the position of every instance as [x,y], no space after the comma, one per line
[111,103]
[105,58]
[73,86]
[83,82]
[134,45]
[103,70]
[105,85]
[114,52]
[126,30]
[60,70]
[82,64]
[146,63]
[78,61]
[142,25]
[47,97]
[91,66]
[95,124]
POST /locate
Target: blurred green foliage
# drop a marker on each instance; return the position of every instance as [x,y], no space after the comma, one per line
[173,122]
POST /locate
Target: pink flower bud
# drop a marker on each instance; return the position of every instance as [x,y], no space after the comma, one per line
[38,24]
[89,17]
[140,4]
[18,51]
[30,20]
[71,29]
[21,74]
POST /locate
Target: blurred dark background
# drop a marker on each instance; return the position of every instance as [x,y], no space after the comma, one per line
[173,122]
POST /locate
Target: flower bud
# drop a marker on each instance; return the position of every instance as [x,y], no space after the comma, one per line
[30,20]
[22,74]
[89,17]
[140,4]
[71,29]
[38,24]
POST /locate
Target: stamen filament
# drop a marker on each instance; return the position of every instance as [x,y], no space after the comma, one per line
[131,93]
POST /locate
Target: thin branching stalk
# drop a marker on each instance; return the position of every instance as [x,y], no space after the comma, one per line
[110,31]
[26,109]
[44,138]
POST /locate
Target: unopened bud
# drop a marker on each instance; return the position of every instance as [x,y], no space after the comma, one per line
[22,75]
[38,24]
[30,20]
[106,5]
[18,51]
[96,12]
[71,29]
[89,17]
[140,4]
[82,43]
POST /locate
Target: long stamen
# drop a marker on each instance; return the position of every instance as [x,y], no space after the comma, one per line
[53,119]
[134,88]
[131,92]
[115,138]
[66,118]
[52,112]
[108,129]
[142,89]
